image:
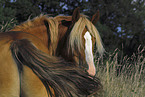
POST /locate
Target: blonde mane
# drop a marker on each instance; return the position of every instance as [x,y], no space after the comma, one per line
[38,22]
[75,40]
[53,27]
[67,18]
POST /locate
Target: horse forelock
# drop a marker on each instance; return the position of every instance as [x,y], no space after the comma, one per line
[75,39]
[94,32]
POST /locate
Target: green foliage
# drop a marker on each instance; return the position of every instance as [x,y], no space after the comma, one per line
[124,20]
[7,16]
[6,13]
[24,9]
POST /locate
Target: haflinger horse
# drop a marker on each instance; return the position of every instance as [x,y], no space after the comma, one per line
[30,66]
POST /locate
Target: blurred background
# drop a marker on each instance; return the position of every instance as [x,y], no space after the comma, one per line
[121,24]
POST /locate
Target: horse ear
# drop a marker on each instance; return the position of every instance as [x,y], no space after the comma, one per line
[95,17]
[76,15]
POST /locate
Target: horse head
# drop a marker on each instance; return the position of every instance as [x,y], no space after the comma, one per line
[78,36]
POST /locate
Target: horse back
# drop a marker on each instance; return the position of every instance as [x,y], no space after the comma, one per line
[18,35]
[39,31]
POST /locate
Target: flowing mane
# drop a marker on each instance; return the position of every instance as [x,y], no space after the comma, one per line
[75,40]
[44,27]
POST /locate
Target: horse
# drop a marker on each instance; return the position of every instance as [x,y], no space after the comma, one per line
[59,38]
[34,71]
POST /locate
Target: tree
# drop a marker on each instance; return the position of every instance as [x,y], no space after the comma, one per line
[7,15]
[24,9]
[122,22]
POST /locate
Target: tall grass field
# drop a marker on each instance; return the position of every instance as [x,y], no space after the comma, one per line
[123,77]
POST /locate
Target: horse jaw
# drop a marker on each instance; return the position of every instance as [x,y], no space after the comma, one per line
[89,54]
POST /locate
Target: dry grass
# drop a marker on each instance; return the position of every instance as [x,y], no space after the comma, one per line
[129,82]
[6,26]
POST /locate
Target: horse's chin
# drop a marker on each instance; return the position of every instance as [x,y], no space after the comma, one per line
[92,69]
